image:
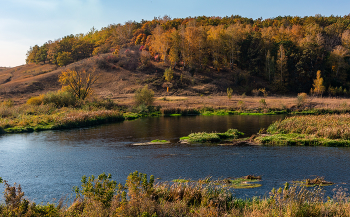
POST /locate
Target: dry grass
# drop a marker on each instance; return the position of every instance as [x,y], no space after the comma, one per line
[250,103]
[323,126]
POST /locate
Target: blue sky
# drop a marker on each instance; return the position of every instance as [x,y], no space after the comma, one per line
[24,23]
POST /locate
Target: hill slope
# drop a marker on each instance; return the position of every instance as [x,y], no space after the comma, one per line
[118,75]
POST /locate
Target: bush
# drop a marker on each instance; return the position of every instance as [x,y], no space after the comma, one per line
[302,97]
[59,99]
[101,189]
[35,100]
[144,96]
[229,92]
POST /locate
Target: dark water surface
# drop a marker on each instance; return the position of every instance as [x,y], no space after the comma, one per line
[48,164]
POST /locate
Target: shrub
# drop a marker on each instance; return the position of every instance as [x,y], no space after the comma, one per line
[101,189]
[241,105]
[35,100]
[7,103]
[60,99]
[144,96]
[263,102]
[255,92]
[229,92]
[301,99]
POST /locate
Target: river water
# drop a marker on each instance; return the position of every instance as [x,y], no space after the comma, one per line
[48,164]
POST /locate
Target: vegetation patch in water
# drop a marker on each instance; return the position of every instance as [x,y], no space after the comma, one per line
[294,139]
[318,181]
[325,130]
[238,183]
[154,142]
[160,141]
[204,137]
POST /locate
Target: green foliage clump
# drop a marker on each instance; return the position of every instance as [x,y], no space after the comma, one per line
[204,137]
[101,189]
[58,98]
[144,96]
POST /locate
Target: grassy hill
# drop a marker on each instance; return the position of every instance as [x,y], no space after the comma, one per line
[119,76]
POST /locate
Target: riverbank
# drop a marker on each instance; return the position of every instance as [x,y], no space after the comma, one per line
[141,196]
[30,117]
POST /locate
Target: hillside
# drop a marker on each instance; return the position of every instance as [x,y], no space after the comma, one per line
[282,54]
[118,76]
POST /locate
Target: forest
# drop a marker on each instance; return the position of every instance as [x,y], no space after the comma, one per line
[284,53]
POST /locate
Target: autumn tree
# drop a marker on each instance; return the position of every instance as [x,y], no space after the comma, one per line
[338,62]
[269,65]
[175,47]
[215,40]
[32,53]
[319,88]
[281,65]
[233,35]
[160,42]
[79,82]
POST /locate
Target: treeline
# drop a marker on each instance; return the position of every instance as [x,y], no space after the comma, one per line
[284,52]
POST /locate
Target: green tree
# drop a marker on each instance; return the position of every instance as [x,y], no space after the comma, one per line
[144,96]
[64,58]
[41,55]
[168,76]
[32,53]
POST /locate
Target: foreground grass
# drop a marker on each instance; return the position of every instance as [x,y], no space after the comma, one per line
[326,130]
[140,196]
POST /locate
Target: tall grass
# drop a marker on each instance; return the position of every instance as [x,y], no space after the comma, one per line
[28,118]
[140,196]
[323,126]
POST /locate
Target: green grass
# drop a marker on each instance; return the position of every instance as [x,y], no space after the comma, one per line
[159,141]
[294,139]
[238,183]
[203,137]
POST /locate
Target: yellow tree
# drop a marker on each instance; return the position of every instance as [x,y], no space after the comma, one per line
[78,82]
[232,36]
[215,36]
[160,42]
[281,65]
[319,88]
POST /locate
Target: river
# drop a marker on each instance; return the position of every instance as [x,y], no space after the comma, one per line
[48,164]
